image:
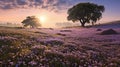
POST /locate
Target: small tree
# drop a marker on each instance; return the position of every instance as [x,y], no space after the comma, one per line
[85,13]
[31,21]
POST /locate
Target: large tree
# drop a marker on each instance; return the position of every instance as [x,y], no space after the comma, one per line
[31,21]
[85,13]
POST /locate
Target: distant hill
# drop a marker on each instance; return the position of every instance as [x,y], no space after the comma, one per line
[113,24]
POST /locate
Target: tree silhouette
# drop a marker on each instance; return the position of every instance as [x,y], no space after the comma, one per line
[31,21]
[85,13]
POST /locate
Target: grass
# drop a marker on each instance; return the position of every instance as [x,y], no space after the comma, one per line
[19,47]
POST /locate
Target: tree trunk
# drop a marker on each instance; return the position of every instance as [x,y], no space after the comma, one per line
[83,24]
[92,23]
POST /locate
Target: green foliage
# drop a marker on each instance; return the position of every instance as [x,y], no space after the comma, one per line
[31,21]
[85,13]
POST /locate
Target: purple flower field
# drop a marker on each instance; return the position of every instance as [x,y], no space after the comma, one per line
[68,47]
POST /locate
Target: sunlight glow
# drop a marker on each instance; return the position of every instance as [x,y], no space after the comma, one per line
[43,18]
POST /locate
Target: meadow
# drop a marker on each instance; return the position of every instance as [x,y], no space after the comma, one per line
[62,47]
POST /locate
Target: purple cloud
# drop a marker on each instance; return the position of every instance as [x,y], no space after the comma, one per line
[45,4]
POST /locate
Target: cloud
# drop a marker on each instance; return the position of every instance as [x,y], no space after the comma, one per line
[44,4]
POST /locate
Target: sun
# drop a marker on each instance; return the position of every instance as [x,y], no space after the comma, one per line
[43,18]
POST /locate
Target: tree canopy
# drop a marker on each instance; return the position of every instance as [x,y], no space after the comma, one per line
[85,13]
[31,21]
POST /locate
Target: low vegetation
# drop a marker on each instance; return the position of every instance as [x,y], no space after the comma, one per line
[32,49]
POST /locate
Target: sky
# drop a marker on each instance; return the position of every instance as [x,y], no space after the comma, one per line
[51,12]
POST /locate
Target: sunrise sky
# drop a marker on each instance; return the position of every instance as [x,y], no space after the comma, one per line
[51,11]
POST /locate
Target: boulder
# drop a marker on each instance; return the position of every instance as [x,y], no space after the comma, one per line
[99,29]
[108,32]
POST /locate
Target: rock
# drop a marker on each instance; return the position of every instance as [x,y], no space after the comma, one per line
[40,32]
[61,34]
[109,32]
[99,29]
[65,31]
[51,28]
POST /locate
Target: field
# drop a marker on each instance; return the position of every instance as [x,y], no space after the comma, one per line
[66,47]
